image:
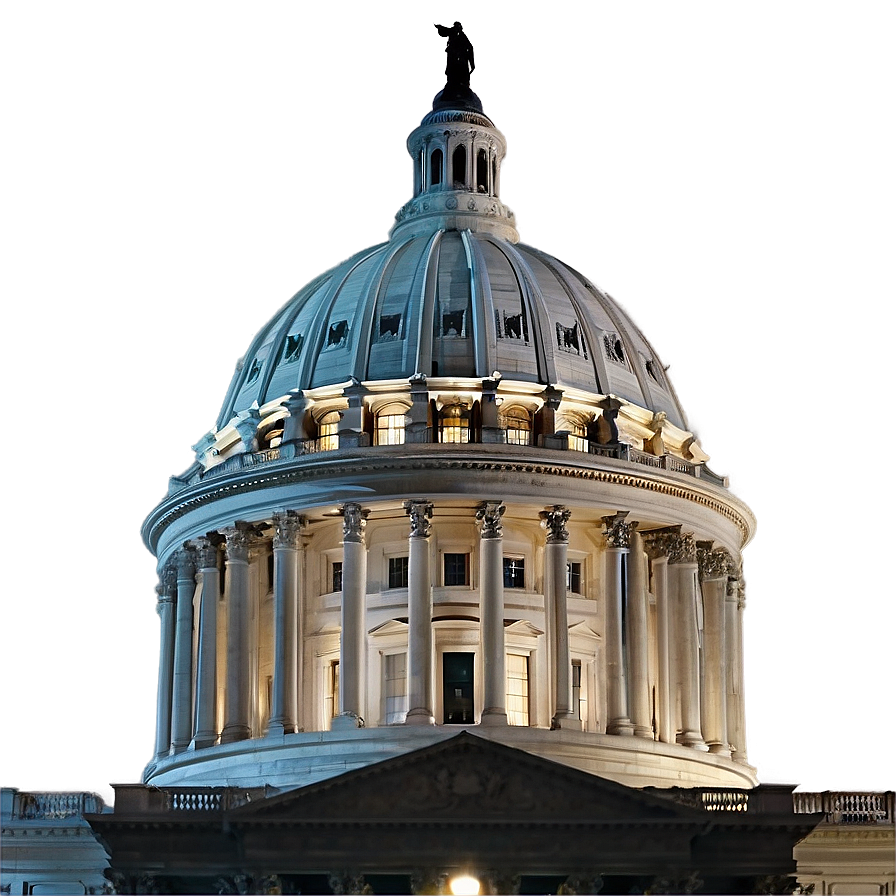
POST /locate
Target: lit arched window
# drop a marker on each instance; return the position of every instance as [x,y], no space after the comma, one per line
[459,167]
[272,436]
[328,431]
[517,425]
[454,424]
[390,425]
[578,434]
[435,168]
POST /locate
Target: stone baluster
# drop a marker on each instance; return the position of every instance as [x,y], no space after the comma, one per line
[683,589]
[657,547]
[287,623]
[713,566]
[166,590]
[181,711]
[205,727]
[637,638]
[352,642]
[491,613]
[237,699]
[618,535]
[420,691]
[557,625]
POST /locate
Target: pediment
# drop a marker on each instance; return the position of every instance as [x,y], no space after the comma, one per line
[585,631]
[465,778]
[392,627]
[523,627]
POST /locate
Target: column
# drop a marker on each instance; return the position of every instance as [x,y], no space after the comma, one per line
[555,549]
[618,534]
[181,712]
[205,729]
[683,573]
[419,615]
[636,636]
[287,624]
[236,687]
[491,613]
[166,589]
[735,603]
[352,642]
[657,544]
[713,583]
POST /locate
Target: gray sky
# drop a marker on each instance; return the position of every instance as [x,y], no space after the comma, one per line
[174,172]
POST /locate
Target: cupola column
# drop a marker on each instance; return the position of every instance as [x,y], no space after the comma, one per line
[167,591]
[556,620]
[236,692]
[735,604]
[618,535]
[354,598]
[205,724]
[491,613]
[181,721]
[657,547]
[683,591]
[713,566]
[287,622]
[636,635]
[420,645]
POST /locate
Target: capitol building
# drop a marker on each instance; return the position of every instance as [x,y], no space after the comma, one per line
[451,592]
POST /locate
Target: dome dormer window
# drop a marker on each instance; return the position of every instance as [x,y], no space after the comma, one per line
[390,423]
[454,424]
[517,425]
[328,432]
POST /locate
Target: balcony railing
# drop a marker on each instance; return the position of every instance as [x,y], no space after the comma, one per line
[50,805]
[844,807]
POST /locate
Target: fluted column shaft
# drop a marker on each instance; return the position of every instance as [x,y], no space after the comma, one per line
[714,581]
[637,639]
[287,624]
[555,554]
[420,690]
[618,534]
[236,694]
[354,596]
[491,613]
[166,590]
[734,607]
[665,720]
[205,729]
[181,711]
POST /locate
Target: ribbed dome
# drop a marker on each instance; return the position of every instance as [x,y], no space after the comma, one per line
[452,303]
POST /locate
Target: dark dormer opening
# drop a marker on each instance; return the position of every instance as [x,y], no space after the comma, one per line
[481,172]
[459,167]
[435,168]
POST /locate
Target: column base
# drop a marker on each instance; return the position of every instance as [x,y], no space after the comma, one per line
[622,727]
[643,731]
[233,733]
[346,721]
[692,739]
[177,748]
[493,718]
[719,749]
[278,729]
[203,740]
[565,721]
[420,716]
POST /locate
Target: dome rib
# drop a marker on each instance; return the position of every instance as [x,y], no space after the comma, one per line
[484,335]
[428,301]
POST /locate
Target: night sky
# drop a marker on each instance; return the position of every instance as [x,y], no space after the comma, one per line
[175,172]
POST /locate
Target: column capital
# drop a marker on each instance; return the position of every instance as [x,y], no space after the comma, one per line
[185,558]
[658,542]
[206,553]
[489,514]
[288,526]
[617,531]
[683,548]
[354,519]
[554,521]
[712,563]
[420,513]
[167,587]
[239,537]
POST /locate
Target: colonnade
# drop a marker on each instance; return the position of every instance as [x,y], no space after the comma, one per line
[676,677]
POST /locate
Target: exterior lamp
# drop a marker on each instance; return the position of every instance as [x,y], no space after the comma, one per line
[464,885]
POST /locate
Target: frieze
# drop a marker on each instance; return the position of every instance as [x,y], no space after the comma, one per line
[617,531]
[554,522]
[287,528]
[489,514]
[354,519]
[420,513]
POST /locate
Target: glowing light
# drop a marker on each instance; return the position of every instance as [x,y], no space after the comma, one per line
[464,885]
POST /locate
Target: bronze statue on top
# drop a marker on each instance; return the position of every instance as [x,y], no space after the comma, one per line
[460,62]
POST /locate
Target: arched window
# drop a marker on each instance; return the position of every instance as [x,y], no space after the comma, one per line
[454,424]
[390,425]
[272,436]
[481,172]
[459,167]
[517,426]
[578,433]
[328,431]
[435,168]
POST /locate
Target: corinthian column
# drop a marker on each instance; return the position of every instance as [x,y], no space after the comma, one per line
[636,636]
[419,615]
[713,582]
[735,603]
[491,613]
[354,595]
[181,712]
[657,546]
[287,624]
[683,579]
[618,534]
[205,729]
[236,693]
[554,522]
[166,589]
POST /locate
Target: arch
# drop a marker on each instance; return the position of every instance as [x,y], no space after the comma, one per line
[459,167]
[389,424]
[435,167]
[577,428]
[482,172]
[516,421]
[454,424]
[328,431]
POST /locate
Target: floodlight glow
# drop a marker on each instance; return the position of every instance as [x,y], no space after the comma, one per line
[464,885]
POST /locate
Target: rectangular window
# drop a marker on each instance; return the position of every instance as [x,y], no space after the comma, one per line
[333,689]
[457,688]
[579,704]
[457,569]
[337,575]
[574,578]
[398,572]
[514,572]
[517,689]
[395,687]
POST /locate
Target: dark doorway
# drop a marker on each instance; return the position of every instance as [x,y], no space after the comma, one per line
[457,687]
